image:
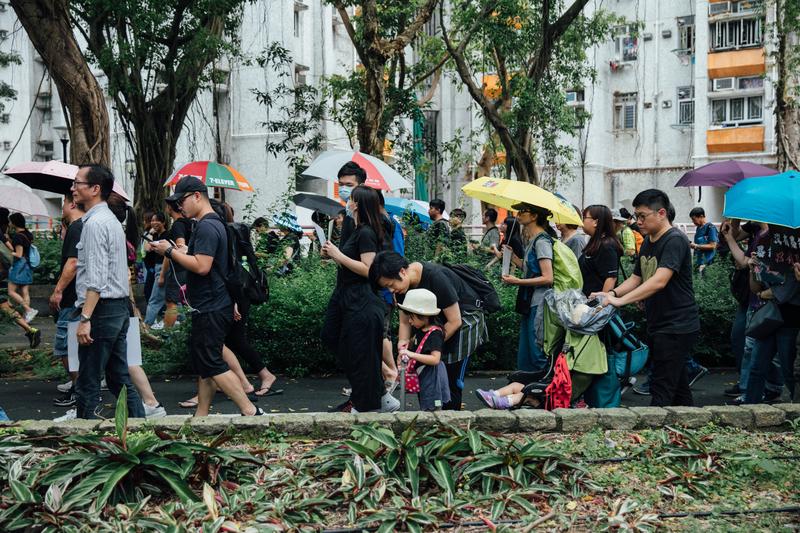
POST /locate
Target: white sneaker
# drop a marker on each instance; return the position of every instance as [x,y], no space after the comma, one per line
[30,315]
[389,404]
[64,387]
[158,325]
[72,414]
[154,412]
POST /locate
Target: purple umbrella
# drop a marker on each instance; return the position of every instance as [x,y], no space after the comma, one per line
[723,174]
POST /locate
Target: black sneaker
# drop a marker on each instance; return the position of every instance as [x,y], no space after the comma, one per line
[259,412]
[772,396]
[733,392]
[34,337]
[695,376]
[68,400]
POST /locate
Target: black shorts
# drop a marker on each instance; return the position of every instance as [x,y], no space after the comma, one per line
[172,288]
[206,339]
[387,322]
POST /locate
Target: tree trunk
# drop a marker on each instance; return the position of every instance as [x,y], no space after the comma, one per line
[787,109]
[369,137]
[47,24]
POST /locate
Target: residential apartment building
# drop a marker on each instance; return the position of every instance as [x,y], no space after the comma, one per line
[684,84]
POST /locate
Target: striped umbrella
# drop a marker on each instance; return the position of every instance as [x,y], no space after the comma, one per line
[213,175]
[379,175]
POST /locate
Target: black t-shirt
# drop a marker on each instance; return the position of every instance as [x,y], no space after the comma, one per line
[516,246]
[69,249]
[181,229]
[448,287]
[152,258]
[362,240]
[24,239]
[673,308]
[434,342]
[348,227]
[599,267]
[208,293]
[439,231]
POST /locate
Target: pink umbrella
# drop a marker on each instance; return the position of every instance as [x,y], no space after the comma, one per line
[379,174]
[51,176]
[17,199]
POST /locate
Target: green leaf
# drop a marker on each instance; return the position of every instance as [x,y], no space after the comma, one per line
[474,441]
[121,415]
[162,463]
[179,486]
[498,509]
[111,484]
[358,448]
[485,463]
[443,474]
[21,492]
[382,435]
[387,527]
[80,492]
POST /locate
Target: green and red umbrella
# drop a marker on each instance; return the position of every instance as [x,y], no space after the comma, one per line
[213,175]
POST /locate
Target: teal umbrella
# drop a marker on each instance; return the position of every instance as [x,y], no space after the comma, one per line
[769,199]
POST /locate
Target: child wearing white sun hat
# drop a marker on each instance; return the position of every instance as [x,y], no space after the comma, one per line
[425,372]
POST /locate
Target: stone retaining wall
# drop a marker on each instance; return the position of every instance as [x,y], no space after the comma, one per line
[334,425]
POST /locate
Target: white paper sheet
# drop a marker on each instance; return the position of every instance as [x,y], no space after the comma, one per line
[134,345]
[506,261]
[320,234]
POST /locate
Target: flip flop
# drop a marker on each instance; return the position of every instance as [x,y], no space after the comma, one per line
[268,391]
[188,404]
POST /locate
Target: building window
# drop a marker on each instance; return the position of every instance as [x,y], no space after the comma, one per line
[686,33]
[754,82]
[686,105]
[739,33]
[575,97]
[739,111]
[625,111]
[626,43]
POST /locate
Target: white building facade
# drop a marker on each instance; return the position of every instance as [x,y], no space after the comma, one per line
[691,84]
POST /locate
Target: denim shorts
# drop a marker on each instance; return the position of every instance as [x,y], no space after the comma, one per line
[65,316]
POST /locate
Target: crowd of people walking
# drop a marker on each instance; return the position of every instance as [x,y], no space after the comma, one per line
[200,263]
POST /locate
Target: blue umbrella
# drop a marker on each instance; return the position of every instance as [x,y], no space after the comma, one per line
[769,199]
[399,206]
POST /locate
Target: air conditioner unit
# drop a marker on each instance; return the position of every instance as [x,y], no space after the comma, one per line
[723,84]
[6,145]
[5,118]
[718,8]
[666,104]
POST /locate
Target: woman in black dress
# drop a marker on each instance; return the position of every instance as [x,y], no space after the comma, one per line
[353,327]
[599,261]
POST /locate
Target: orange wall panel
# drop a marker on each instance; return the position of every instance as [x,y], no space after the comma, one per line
[726,140]
[749,62]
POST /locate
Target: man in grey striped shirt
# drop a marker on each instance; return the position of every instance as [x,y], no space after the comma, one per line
[102,288]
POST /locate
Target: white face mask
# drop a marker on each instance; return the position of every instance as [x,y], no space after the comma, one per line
[345,191]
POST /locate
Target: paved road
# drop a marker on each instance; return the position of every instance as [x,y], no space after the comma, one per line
[24,399]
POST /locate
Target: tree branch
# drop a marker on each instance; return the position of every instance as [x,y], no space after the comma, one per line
[551,34]
[404,38]
[348,26]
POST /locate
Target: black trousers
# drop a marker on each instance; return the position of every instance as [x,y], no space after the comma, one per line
[669,381]
[453,372]
[239,344]
[353,331]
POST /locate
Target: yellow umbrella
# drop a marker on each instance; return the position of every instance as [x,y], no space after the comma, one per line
[505,193]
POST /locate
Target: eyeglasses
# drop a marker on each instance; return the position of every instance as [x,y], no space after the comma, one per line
[588,217]
[179,201]
[640,217]
[76,183]
[530,212]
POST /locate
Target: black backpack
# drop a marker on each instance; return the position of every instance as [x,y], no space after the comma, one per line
[243,283]
[488,299]
[255,285]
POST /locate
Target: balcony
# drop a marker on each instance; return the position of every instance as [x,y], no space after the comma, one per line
[750,62]
[728,140]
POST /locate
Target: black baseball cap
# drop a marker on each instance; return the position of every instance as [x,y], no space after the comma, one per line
[187,184]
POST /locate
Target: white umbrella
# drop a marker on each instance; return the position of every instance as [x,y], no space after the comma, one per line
[17,199]
[379,175]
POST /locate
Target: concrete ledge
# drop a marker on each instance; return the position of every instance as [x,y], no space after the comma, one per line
[730,415]
[339,425]
[574,420]
[688,417]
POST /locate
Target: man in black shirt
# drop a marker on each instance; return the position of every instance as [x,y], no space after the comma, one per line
[350,176]
[439,231]
[62,301]
[662,278]
[206,262]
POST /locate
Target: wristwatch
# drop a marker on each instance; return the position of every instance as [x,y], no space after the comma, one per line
[168,252]
[85,318]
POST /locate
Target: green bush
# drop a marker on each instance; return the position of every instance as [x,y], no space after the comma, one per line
[48,270]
